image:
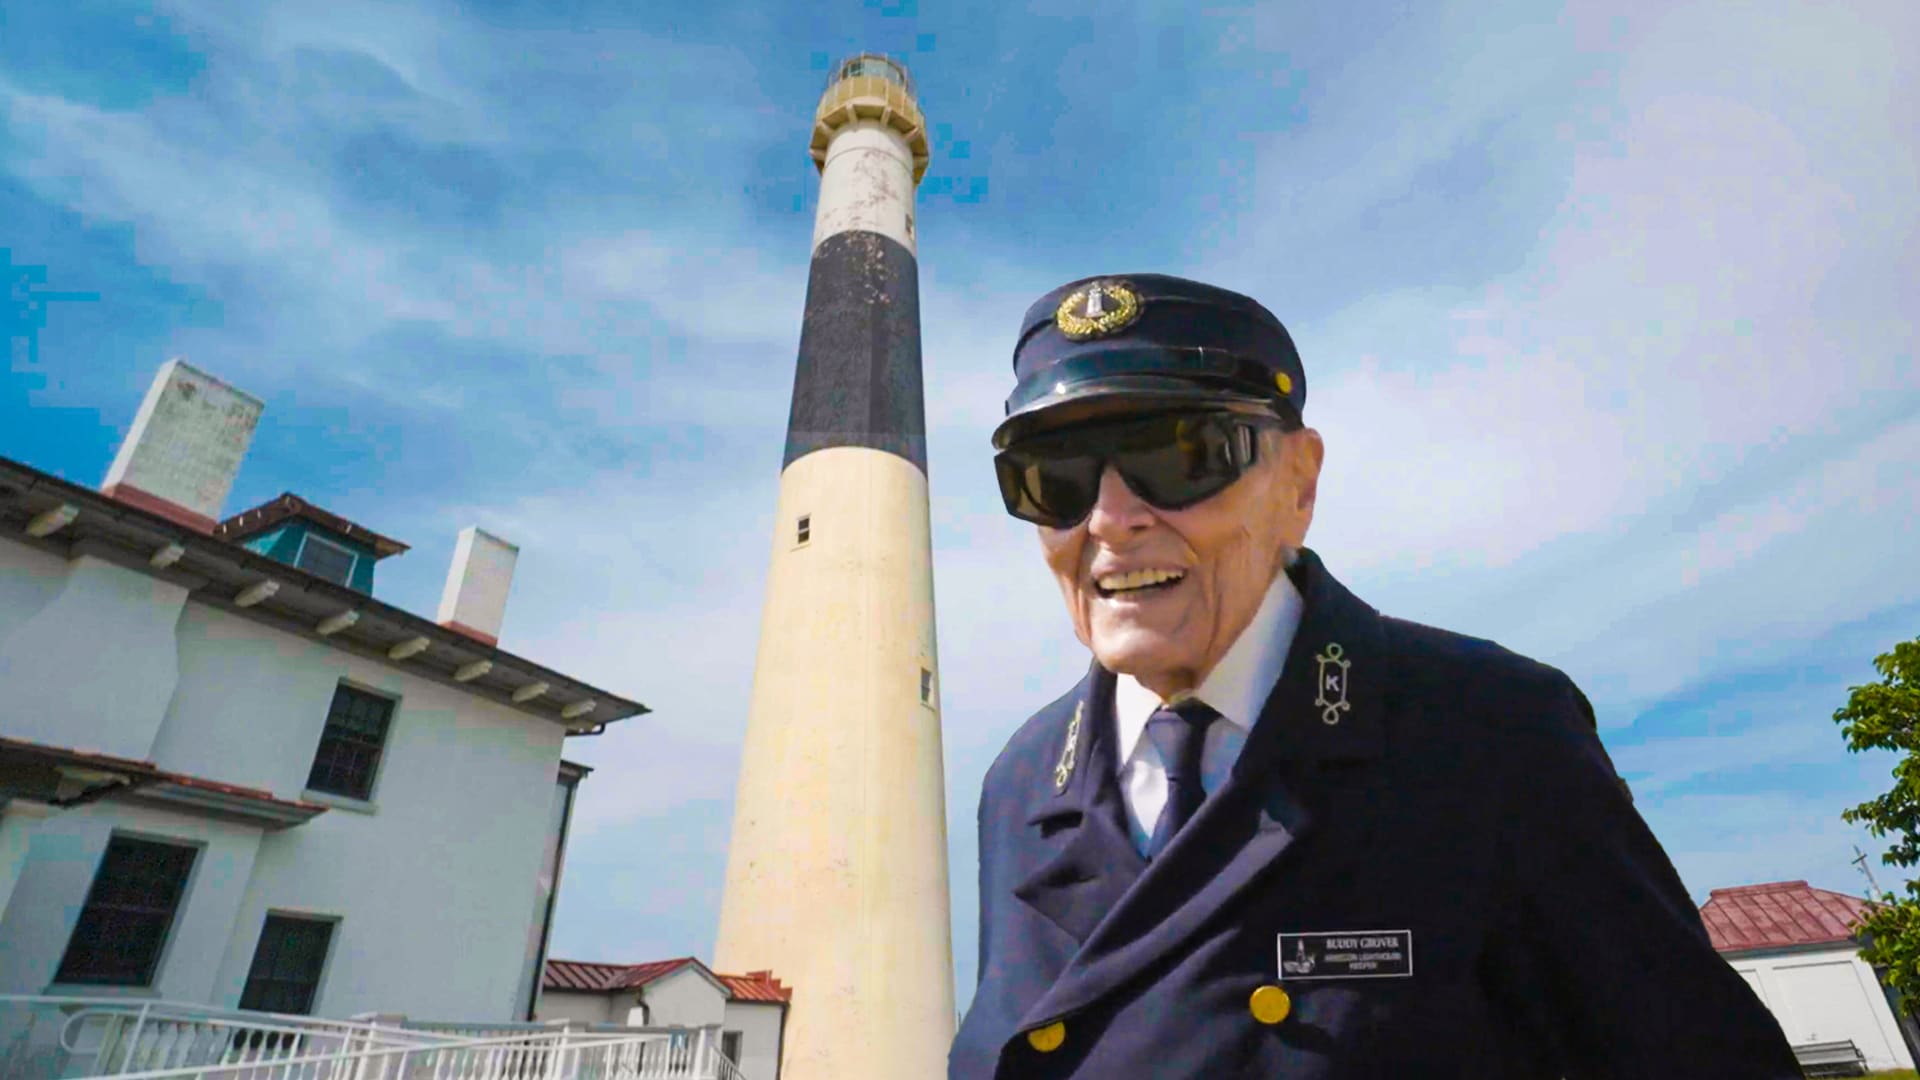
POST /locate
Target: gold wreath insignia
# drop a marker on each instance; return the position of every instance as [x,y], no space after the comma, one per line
[1102,308]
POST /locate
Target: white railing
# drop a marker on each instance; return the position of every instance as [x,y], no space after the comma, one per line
[42,1038]
[662,1052]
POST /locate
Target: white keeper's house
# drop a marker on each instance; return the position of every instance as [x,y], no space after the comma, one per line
[1796,946]
[232,777]
[750,1009]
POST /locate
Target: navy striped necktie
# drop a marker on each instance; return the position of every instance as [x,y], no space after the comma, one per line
[1179,732]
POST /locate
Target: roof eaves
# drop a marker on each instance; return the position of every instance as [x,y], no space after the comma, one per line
[216,570]
[286,506]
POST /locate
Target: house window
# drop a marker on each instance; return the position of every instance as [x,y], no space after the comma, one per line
[128,912]
[803,529]
[350,746]
[287,964]
[324,558]
[730,1046]
[926,686]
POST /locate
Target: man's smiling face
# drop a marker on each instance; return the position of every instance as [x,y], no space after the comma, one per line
[1162,594]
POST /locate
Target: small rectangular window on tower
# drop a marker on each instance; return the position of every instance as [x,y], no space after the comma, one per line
[803,530]
[926,686]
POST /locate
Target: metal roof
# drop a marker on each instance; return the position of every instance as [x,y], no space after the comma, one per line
[592,977]
[217,573]
[1779,914]
[286,505]
[757,986]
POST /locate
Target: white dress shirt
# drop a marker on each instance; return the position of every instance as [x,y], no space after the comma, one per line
[1236,688]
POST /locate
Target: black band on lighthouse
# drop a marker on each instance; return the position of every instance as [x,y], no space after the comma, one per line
[858,379]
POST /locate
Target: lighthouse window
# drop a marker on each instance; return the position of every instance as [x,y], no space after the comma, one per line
[926,687]
[803,530]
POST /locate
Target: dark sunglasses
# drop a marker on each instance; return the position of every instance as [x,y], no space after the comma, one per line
[1171,460]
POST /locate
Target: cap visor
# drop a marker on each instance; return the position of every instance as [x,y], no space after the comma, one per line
[1109,398]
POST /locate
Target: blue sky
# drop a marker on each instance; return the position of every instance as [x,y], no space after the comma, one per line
[1607,320]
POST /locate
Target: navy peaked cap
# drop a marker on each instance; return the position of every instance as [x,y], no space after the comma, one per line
[1145,342]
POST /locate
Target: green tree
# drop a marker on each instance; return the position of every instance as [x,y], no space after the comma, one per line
[1885,715]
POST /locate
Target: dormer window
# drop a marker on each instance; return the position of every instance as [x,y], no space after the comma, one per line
[293,531]
[326,559]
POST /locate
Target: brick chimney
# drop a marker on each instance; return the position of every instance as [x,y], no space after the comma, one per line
[185,446]
[475,599]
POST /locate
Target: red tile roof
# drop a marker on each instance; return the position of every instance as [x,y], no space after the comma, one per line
[1779,914]
[587,975]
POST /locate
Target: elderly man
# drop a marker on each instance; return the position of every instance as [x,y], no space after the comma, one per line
[1272,832]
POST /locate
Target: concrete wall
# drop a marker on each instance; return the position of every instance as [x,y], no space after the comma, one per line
[436,877]
[686,998]
[95,659]
[759,1028]
[1828,996]
[29,580]
[588,1008]
[63,855]
[434,880]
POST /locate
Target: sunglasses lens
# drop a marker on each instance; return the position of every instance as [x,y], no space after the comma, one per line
[1188,459]
[1171,461]
[1047,489]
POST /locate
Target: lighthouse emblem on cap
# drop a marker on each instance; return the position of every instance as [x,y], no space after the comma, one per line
[1101,308]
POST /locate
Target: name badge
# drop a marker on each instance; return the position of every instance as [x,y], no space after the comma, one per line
[1347,954]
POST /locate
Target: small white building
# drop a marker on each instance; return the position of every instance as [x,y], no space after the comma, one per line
[750,1009]
[1795,945]
[230,775]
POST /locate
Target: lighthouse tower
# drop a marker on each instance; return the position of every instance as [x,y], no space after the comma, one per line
[837,870]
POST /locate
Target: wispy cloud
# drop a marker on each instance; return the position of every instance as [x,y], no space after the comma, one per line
[1605,320]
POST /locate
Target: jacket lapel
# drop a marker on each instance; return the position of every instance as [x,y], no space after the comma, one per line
[1325,707]
[1082,821]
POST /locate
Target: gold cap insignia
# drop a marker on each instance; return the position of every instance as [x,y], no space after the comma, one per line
[1102,308]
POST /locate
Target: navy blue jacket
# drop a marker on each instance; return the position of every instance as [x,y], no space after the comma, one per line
[1434,784]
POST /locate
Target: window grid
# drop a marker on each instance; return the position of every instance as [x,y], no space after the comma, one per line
[287,963]
[350,747]
[127,915]
[323,558]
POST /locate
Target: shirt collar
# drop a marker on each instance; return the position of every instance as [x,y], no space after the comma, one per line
[1238,686]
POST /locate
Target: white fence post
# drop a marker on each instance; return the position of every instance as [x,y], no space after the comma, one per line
[126,1058]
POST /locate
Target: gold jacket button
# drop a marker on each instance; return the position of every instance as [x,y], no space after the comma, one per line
[1047,1039]
[1270,1004]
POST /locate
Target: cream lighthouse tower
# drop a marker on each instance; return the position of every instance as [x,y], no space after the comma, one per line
[837,871]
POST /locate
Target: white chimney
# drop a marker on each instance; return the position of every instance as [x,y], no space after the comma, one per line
[475,599]
[185,447]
